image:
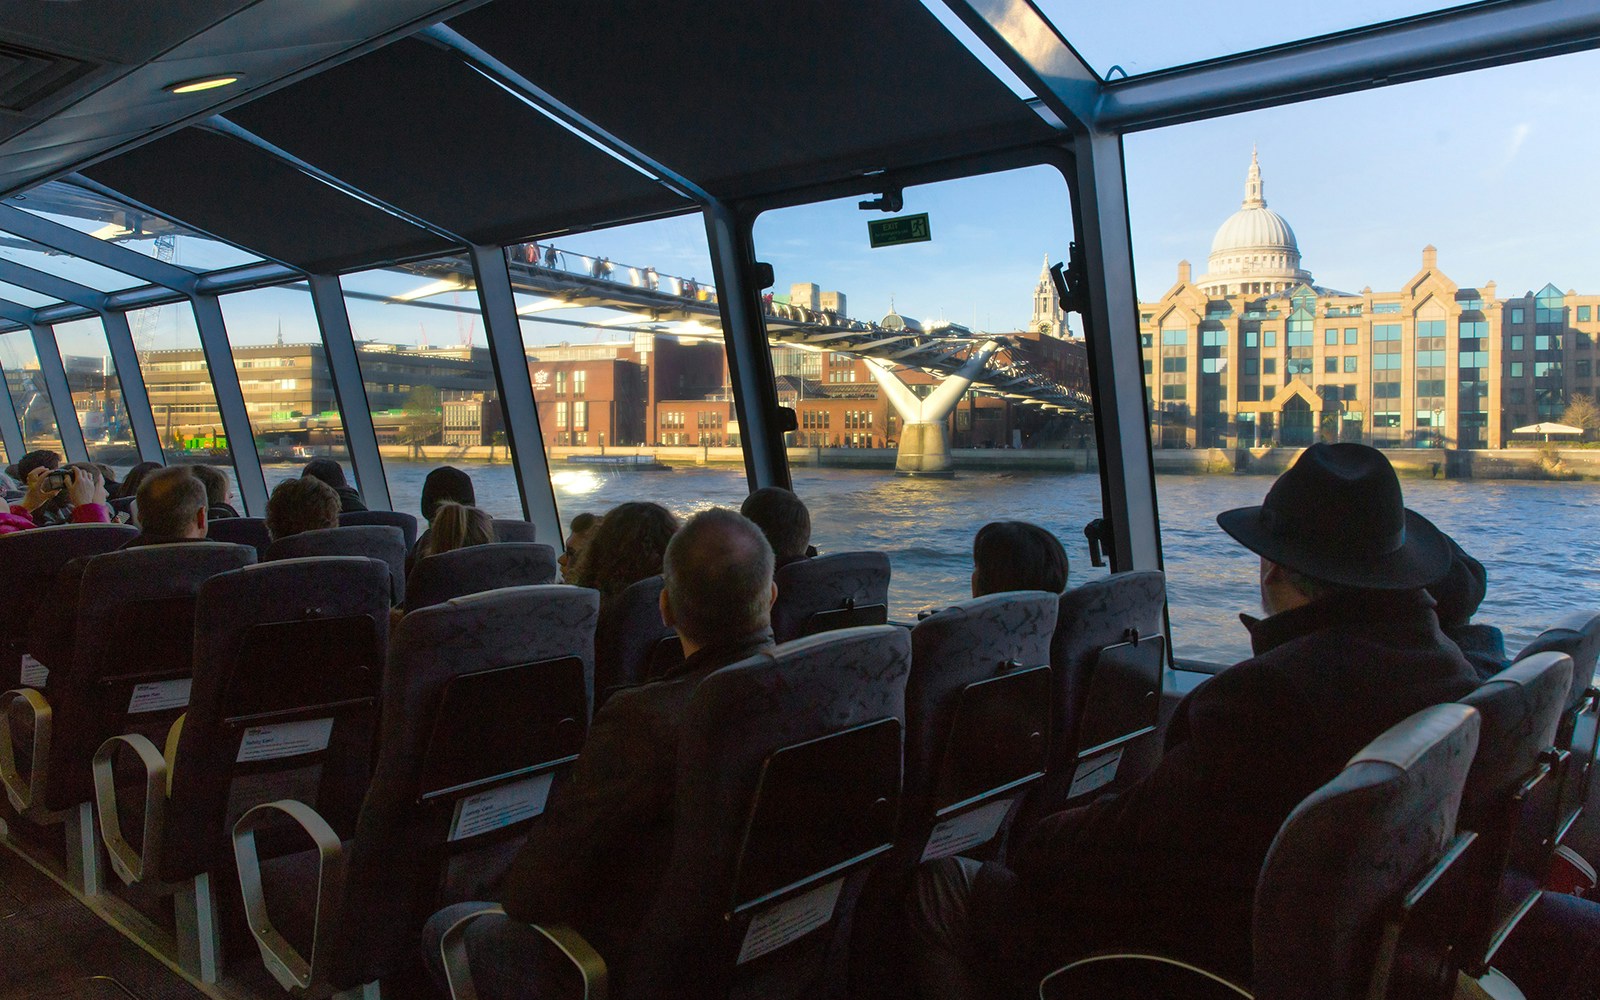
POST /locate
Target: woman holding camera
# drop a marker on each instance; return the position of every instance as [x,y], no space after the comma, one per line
[69,495]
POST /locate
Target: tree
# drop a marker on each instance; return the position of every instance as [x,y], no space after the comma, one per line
[1582,411]
[423,419]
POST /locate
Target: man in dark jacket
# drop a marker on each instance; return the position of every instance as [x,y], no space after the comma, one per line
[784,519]
[1350,646]
[597,858]
[330,472]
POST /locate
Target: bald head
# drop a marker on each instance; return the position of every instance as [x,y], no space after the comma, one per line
[171,503]
[718,571]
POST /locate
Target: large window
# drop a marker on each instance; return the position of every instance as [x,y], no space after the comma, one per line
[96,393]
[178,381]
[29,397]
[915,314]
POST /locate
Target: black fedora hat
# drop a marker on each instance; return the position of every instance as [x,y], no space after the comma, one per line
[1337,516]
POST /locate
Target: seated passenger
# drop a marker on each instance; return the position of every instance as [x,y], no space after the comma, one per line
[43,458]
[444,483]
[219,492]
[598,858]
[1350,646]
[456,527]
[1016,555]
[583,529]
[135,476]
[304,504]
[85,497]
[784,519]
[626,548]
[330,472]
[59,509]
[1458,595]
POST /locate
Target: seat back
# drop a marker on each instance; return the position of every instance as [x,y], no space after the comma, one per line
[131,657]
[512,530]
[977,719]
[287,660]
[1578,636]
[1510,799]
[485,696]
[250,531]
[844,590]
[1105,706]
[1358,879]
[787,783]
[630,632]
[476,568]
[383,542]
[407,523]
[38,556]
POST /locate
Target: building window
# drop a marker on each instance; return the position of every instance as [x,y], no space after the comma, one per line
[1252,366]
[561,412]
[1250,339]
[1582,368]
[1330,336]
[1212,366]
[1385,331]
[561,382]
[1176,336]
[1386,390]
[579,378]
[1175,391]
[1516,342]
[1269,338]
[1269,366]
[1351,364]
[1386,307]
[1352,335]
[1178,364]
[1516,315]
[1583,314]
[1474,359]
[1470,329]
[1547,369]
[1430,328]
[1516,369]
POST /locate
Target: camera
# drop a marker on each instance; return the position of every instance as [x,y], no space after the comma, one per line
[57,479]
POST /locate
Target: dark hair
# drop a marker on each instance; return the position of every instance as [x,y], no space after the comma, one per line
[627,547]
[1459,592]
[446,483]
[168,500]
[718,572]
[304,504]
[41,459]
[456,527]
[1016,555]
[215,481]
[585,522]
[782,517]
[135,476]
[326,470]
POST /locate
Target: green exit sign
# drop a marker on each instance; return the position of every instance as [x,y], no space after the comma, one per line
[904,229]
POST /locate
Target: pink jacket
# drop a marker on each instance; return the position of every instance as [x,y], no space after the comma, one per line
[19,519]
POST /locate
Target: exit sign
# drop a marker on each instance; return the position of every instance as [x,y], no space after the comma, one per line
[905,229]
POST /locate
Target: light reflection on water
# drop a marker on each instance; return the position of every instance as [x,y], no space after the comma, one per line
[1533,537]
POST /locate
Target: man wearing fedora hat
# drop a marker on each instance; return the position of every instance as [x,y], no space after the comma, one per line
[1349,646]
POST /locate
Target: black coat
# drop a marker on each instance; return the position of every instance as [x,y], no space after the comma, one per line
[1172,862]
[597,856]
[349,500]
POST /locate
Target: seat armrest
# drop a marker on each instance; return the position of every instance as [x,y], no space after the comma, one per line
[458,968]
[293,971]
[25,793]
[130,865]
[1134,976]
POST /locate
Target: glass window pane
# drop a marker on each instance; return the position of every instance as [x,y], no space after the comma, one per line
[29,396]
[97,393]
[425,362]
[84,272]
[25,296]
[283,374]
[176,375]
[615,366]
[107,219]
[936,305]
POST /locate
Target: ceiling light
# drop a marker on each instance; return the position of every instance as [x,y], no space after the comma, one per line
[202,83]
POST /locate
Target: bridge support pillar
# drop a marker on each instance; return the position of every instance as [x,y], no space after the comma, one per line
[925,437]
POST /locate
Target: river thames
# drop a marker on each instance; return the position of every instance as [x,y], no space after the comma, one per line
[1532,536]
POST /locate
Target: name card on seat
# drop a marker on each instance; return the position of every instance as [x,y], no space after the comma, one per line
[158,696]
[969,829]
[500,807]
[33,672]
[1095,772]
[285,739]
[790,920]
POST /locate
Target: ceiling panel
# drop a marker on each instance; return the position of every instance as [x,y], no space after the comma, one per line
[752,97]
[478,161]
[223,186]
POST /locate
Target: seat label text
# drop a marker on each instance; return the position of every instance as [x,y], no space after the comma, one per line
[500,807]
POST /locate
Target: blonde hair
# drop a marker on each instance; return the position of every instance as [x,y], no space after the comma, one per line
[456,526]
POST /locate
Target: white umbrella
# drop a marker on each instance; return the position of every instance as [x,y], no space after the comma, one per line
[1548,428]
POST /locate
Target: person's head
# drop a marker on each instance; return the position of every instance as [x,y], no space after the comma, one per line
[326,470]
[783,518]
[108,476]
[218,490]
[456,527]
[1016,555]
[583,528]
[135,476]
[718,572]
[171,503]
[1459,592]
[304,504]
[41,459]
[1335,522]
[627,547]
[446,483]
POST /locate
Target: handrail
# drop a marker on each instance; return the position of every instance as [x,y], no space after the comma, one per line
[293,971]
[130,865]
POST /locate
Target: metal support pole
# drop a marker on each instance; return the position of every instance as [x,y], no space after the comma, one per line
[1116,370]
[361,440]
[135,397]
[524,438]
[755,394]
[230,403]
[10,426]
[55,383]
